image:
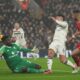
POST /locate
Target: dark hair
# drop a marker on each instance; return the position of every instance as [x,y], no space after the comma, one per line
[61,15]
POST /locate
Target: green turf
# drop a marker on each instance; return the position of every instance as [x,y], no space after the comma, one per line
[60,72]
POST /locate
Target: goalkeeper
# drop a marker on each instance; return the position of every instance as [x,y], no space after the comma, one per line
[14,62]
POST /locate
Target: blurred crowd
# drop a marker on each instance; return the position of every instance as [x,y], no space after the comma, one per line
[38,32]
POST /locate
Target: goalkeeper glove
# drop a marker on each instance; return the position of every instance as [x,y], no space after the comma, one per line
[35,50]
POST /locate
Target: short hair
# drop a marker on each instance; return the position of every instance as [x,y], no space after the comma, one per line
[61,15]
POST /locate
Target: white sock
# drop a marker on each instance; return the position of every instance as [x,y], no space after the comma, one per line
[49,64]
[70,64]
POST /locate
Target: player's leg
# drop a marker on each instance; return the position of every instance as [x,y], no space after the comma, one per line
[24,69]
[27,66]
[76,57]
[31,64]
[76,51]
[51,53]
[33,70]
[63,58]
[50,61]
[69,63]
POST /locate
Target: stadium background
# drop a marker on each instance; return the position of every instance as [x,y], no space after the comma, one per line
[38,28]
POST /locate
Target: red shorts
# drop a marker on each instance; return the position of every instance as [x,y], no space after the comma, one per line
[78,45]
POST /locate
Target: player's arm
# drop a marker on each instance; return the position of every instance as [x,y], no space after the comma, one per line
[76,33]
[25,49]
[34,50]
[61,23]
[69,39]
[73,36]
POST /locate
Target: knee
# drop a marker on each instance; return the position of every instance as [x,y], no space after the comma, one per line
[38,67]
[50,53]
[20,70]
[24,70]
[64,61]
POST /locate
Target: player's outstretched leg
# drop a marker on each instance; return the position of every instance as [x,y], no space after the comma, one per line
[27,70]
[64,60]
[32,65]
[27,66]
[33,70]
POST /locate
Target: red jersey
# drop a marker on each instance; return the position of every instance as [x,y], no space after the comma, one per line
[78,25]
[78,28]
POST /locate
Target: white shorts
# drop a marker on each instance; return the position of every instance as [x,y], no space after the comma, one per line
[58,47]
[21,42]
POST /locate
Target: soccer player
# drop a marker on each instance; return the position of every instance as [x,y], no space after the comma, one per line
[58,44]
[76,52]
[14,62]
[18,33]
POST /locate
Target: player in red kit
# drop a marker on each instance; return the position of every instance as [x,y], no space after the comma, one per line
[76,52]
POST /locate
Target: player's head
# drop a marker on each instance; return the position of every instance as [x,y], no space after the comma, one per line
[6,39]
[16,25]
[60,17]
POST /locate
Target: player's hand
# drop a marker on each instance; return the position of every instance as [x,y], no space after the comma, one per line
[53,18]
[35,50]
[70,39]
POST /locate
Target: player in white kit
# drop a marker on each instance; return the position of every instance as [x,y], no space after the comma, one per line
[58,44]
[18,33]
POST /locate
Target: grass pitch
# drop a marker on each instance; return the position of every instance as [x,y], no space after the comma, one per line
[60,72]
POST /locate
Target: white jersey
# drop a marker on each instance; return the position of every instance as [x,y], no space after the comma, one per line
[18,34]
[61,31]
[58,43]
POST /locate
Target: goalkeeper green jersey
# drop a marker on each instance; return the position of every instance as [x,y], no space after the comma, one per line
[11,56]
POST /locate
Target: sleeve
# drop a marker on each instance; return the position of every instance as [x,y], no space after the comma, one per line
[23,49]
[2,49]
[62,23]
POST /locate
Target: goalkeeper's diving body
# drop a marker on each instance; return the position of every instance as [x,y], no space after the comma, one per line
[13,60]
